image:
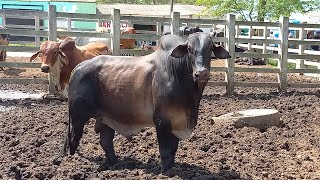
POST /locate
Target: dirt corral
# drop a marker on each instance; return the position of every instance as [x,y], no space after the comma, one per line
[32,134]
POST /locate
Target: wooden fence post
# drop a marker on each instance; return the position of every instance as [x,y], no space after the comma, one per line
[100,22]
[283,52]
[129,23]
[4,23]
[115,30]
[52,23]
[238,32]
[175,23]
[37,28]
[250,37]
[266,33]
[300,62]
[265,36]
[52,30]
[159,30]
[69,24]
[230,34]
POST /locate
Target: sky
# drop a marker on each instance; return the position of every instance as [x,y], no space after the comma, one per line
[312,17]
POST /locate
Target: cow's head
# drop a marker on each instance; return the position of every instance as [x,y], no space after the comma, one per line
[195,29]
[198,48]
[4,40]
[127,43]
[190,30]
[52,52]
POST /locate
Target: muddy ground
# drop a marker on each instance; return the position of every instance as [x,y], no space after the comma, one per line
[32,134]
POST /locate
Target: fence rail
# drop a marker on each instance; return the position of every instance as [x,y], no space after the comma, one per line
[261,42]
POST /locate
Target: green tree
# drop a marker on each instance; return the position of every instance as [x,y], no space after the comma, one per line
[257,10]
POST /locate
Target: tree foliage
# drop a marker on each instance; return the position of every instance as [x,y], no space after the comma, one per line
[260,10]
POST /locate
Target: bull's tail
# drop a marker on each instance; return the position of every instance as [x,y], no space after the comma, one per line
[66,145]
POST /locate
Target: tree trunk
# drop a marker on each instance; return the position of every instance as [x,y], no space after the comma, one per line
[262,10]
[171,7]
[261,14]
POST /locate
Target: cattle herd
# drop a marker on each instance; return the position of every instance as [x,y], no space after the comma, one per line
[125,94]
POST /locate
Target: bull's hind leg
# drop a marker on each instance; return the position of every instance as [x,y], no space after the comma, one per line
[83,97]
[168,145]
[80,112]
[106,141]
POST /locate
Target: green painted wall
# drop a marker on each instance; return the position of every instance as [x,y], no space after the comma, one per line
[71,7]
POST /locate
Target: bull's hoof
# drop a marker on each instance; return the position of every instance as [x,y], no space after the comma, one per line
[103,166]
[166,164]
[106,164]
[111,160]
[73,148]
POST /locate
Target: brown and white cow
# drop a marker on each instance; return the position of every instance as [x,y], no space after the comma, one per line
[4,40]
[60,58]
[128,43]
[124,43]
[125,94]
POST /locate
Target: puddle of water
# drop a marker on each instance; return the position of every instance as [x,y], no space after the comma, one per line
[20,54]
[10,94]
[4,108]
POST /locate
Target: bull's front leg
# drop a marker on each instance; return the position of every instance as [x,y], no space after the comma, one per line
[168,144]
[106,141]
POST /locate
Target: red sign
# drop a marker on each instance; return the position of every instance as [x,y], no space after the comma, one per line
[107,25]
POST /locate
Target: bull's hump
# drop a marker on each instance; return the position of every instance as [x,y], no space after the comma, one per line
[170,41]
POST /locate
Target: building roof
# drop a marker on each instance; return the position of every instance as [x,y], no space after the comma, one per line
[93,1]
[150,10]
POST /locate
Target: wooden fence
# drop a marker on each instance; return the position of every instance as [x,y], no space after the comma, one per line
[232,37]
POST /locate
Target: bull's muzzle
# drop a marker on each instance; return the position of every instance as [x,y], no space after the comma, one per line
[201,75]
[45,68]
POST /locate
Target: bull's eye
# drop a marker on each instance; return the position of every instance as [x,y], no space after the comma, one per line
[55,52]
[191,50]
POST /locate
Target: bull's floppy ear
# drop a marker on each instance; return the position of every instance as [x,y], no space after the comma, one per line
[180,50]
[212,34]
[67,43]
[220,52]
[34,56]
[64,58]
